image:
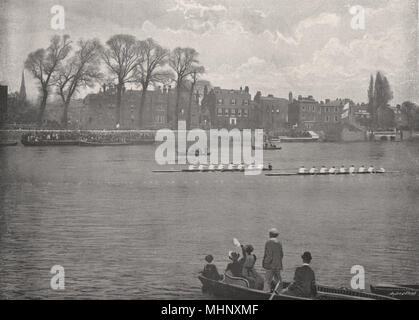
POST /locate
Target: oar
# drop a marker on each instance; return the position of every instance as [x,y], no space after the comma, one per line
[236,243]
[276,288]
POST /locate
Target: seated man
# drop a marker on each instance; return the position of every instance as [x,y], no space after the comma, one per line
[323,170]
[302,170]
[332,170]
[361,169]
[352,169]
[304,284]
[342,169]
[371,169]
[210,270]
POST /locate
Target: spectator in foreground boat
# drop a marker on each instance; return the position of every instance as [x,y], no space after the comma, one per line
[249,272]
[235,266]
[272,260]
[352,169]
[210,270]
[304,284]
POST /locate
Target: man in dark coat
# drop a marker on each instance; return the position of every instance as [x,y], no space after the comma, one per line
[304,284]
[272,260]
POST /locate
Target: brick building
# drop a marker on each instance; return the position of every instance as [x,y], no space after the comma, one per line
[271,113]
[231,108]
[100,109]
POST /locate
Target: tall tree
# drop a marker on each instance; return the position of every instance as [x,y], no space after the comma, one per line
[196,72]
[382,95]
[121,58]
[183,62]
[149,69]
[81,70]
[371,99]
[410,111]
[43,64]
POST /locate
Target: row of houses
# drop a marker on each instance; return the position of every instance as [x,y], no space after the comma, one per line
[214,108]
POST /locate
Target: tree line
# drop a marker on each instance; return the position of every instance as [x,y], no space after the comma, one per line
[65,68]
[379,95]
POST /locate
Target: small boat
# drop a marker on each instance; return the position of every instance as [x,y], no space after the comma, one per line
[271,147]
[238,289]
[399,291]
[337,173]
[38,143]
[8,143]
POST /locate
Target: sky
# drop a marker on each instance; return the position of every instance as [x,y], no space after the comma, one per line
[275,46]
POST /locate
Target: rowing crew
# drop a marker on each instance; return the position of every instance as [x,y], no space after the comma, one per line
[341,170]
[229,167]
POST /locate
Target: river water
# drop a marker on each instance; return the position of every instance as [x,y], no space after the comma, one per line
[121,231]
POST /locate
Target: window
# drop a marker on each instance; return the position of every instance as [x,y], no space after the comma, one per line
[233,102]
[220,101]
[245,112]
[245,102]
[226,112]
[277,110]
[304,108]
[239,112]
[327,119]
[336,109]
[336,118]
[233,112]
[233,121]
[220,111]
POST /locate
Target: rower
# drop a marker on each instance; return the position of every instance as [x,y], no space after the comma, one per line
[332,170]
[361,169]
[240,167]
[323,170]
[371,169]
[251,167]
[302,170]
[382,170]
[352,169]
[211,167]
[342,169]
[313,170]
[201,167]
[230,166]
[269,167]
[220,167]
[192,167]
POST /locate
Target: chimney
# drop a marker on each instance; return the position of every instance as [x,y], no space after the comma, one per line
[290,96]
[246,89]
[327,101]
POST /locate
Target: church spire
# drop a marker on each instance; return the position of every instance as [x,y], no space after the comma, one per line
[22,92]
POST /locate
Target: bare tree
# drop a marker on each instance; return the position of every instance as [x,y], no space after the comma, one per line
[149,69]
[122,56]
[183,61]
[43,64]
[197,70]
[82,70]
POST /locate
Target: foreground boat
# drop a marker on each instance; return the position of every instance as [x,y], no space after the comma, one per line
[399,291]
[237,289]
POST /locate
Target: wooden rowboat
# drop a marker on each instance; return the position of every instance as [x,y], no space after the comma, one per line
[238,289]
[399,291]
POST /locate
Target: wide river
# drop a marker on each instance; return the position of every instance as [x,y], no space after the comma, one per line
[121,231]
